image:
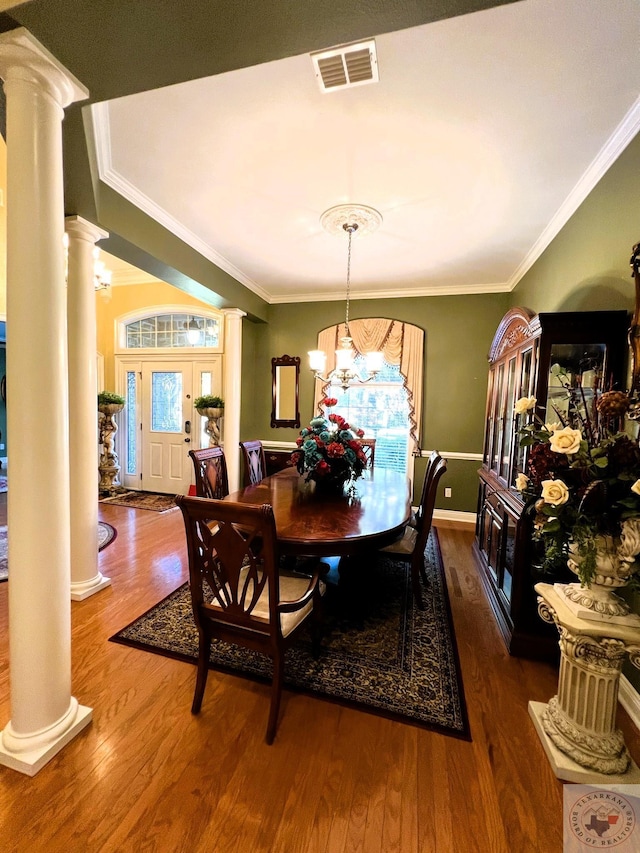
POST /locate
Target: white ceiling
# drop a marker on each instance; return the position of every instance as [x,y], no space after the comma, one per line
[484,134]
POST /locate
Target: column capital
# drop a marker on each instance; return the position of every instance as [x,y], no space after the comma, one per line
[84,229]
[23,57]
[234,312]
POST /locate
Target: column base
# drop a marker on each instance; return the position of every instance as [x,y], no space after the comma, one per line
[31,762]
[568,770]
[80,591]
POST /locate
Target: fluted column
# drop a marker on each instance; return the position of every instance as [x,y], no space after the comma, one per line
[232,386]
[578,725]
[44,714]
[86,579]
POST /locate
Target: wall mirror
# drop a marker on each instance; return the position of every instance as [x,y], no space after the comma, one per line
[285,375]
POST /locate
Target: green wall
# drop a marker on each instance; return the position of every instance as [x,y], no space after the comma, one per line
[586,268]
[458,333]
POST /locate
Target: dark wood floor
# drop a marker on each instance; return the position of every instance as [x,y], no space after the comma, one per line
[147,776]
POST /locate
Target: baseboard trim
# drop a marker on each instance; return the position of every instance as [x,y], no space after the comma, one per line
[467,518]
[630,700]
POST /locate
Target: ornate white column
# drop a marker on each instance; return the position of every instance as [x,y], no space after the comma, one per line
[578,725]
[232,383]
[44,715]
[83,392]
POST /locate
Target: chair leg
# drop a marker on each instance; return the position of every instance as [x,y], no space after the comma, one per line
[204,647]
[415,585]
[276,691]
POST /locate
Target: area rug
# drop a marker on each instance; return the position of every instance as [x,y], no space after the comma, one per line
[106,534]
[154,501]
[398,661]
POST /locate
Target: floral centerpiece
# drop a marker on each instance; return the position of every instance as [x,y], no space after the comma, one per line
[328,449]
[583,489]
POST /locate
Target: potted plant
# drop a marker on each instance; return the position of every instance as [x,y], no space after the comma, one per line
[207,402]
[211,406]
[109,403]
[582,488]
[329,451]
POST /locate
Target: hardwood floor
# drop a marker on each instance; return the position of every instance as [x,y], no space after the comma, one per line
[148,776]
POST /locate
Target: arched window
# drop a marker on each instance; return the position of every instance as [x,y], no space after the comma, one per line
[403,348]
[169,331]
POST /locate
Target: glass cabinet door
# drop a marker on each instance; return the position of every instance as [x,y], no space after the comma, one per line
[574,367]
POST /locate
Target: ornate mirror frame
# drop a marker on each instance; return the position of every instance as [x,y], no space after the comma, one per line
[285,391]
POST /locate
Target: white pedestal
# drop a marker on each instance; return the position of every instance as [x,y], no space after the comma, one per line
[80,591]
[566,769]
[33,761]
[577,727]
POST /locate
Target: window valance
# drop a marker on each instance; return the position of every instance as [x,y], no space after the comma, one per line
[401,343]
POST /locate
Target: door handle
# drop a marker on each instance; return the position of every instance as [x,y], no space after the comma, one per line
[187,427]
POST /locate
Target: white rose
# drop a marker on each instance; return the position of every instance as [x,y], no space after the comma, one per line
[636,487]
[566,440]
[522,481]
[524,404]
[554,492]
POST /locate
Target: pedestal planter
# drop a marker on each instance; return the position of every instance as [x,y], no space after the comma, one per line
[577,726]
[109,467]
[212,428]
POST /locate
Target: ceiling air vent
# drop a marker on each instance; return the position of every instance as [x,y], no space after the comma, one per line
[346,66]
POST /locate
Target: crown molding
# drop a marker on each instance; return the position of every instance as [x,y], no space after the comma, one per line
[606,157]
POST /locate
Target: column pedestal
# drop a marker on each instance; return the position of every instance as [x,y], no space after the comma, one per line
[577,726]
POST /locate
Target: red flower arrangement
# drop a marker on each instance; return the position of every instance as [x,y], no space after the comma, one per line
[329,449]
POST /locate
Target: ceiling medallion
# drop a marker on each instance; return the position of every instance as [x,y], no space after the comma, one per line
[336,219]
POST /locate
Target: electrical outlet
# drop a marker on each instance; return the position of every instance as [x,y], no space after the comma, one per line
[447,492]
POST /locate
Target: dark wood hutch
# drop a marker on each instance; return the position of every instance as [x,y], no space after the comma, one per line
[591,347]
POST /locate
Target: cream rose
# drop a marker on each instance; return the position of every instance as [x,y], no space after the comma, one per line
[552,427]
[566,440]
[636,487]
[524,404]
[522,481]
[554,492]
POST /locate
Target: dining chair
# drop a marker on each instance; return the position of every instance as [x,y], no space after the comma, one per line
[428,474]
[255,464]
[210,472]
[369,450]
[411,545]
[237,593]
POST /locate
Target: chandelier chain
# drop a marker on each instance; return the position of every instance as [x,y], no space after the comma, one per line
[350,228]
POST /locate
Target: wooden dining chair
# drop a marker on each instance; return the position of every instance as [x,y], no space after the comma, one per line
[210,472]
[369,450]
[255,464]
[411,546]
[237,593]
[428,475]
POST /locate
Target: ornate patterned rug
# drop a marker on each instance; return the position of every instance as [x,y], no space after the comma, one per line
[106,534]
[154,501]
[397,661]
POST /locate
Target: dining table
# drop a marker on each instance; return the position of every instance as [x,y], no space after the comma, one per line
[367,515]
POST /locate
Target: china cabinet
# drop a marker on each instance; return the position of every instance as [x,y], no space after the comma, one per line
[533,355]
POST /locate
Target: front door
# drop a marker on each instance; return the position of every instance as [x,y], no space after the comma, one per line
[167,410]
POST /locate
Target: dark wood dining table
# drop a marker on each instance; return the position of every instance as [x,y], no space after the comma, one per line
[312,523]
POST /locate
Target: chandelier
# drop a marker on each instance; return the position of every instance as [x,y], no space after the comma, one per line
[347,219]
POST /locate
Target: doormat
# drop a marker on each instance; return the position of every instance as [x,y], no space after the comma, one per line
[106,534]
[154,501]
[399,661]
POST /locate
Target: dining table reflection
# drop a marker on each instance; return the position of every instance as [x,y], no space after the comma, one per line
[370,514]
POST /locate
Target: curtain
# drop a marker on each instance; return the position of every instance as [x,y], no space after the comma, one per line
[401,343]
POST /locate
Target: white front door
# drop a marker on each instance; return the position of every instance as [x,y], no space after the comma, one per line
[167,412]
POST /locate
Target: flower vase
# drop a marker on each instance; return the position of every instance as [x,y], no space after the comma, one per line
[331,484]
[615,563]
